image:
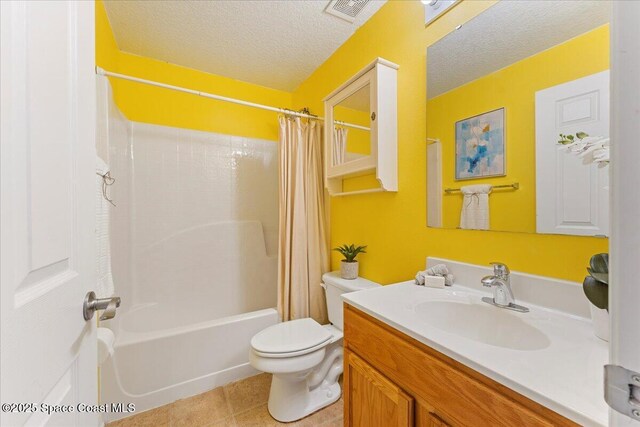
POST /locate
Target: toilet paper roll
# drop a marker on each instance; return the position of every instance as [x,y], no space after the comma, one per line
[106,339]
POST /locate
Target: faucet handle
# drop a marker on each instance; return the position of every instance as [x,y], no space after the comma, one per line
[500,269]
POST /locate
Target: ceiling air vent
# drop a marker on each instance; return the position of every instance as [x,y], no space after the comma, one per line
[346,9]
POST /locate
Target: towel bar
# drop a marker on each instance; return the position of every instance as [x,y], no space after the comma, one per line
[515,186]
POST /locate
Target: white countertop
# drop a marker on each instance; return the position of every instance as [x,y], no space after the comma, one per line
[566,375]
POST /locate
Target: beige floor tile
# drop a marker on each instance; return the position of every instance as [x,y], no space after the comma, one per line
[155,417]
[201,410]
[257,417]
[240,404]
[227,422]
[248,393]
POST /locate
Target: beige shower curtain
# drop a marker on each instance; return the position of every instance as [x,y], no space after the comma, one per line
[303,246]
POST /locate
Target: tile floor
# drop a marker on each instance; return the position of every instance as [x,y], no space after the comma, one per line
[239,404]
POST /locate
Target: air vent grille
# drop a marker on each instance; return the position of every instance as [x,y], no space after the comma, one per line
[346,9]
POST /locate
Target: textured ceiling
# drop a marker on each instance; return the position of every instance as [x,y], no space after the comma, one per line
[506,33]
[274,43]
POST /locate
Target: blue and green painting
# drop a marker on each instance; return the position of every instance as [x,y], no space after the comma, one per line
[480,146]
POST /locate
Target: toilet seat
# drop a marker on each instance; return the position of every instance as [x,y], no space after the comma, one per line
[292,338]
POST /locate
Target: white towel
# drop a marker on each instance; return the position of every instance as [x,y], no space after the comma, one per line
[475,207]
[104,286]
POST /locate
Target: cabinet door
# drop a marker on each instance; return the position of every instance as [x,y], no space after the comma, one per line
[371,400]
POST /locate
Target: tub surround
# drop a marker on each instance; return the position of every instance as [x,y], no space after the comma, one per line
[562,369]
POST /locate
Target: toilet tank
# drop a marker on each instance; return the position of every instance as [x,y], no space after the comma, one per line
[335,286]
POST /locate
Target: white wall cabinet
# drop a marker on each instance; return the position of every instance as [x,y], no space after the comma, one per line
[361,136]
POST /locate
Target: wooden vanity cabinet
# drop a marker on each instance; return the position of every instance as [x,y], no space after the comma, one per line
[391,379]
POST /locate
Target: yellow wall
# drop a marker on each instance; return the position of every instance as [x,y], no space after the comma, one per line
[513,88]
[149,104]
[393,224]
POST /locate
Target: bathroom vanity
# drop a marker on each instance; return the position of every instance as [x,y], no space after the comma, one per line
[410,383]
[440,357]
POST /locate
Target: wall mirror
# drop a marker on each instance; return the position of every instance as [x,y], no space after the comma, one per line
[501,89]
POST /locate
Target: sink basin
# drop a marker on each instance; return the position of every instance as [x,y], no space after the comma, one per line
[483,323]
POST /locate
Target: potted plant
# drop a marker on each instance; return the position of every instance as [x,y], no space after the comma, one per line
[596,288]
[349,265]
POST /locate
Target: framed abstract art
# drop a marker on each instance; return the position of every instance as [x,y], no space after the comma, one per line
[480,146]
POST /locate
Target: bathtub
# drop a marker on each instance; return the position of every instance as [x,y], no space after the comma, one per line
[189,310]
[194,242]
[153,365]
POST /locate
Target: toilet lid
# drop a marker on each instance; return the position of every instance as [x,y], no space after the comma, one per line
[290,337]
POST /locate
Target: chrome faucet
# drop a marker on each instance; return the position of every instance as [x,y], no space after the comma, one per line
[501,284]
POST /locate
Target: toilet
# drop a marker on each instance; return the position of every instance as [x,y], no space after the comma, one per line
[305,357]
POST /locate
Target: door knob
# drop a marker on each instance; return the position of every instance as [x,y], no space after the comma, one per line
[93,304]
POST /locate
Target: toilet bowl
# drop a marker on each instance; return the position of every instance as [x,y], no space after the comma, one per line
[305,357]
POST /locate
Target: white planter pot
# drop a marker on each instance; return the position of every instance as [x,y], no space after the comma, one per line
[349,270]
[600,319]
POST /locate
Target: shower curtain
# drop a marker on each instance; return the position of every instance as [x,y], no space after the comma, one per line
[303,245]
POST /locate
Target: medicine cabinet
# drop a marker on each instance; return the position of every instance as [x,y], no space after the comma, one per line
[361,130]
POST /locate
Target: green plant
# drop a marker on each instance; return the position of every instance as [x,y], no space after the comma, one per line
[596,284]
[350,252]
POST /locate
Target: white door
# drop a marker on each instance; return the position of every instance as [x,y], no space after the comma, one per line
[624,294]
[47,182]
[571,198]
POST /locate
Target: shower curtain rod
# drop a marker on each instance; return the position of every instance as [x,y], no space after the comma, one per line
[103,72]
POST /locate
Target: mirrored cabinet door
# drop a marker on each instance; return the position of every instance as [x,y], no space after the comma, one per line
[350,137]
[352,118]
